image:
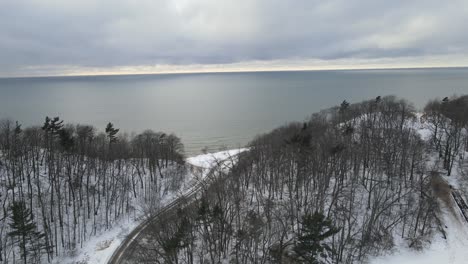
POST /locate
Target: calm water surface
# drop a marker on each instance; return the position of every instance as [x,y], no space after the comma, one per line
[216,109]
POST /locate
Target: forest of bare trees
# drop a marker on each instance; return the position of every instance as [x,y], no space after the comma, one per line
[449,119]
[348,183]
[61,184]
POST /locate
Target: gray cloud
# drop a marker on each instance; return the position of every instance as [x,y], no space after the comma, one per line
[118,33]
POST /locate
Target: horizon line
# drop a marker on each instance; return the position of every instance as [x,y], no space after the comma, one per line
[109,74]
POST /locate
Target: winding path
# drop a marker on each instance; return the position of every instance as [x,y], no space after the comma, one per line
[127,247]
[449,195]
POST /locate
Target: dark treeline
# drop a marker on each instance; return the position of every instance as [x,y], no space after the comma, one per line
[348,183]
[60,183]
[449,119]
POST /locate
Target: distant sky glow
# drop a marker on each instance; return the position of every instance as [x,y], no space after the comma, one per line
[56,37]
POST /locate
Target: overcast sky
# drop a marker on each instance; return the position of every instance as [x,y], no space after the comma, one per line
[56,37]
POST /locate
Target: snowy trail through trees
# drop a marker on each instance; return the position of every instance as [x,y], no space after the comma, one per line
[212,163]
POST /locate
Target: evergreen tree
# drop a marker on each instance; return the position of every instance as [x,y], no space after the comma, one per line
[111,132]
[53,125]
[24,229]
[344,106]
[311,246]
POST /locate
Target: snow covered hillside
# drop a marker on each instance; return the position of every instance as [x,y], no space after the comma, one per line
[371,182]
[450,245]
[100,247]
[351,184]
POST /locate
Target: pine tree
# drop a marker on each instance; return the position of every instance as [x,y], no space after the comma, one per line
[111,132]
[344,106]
[25,230]
[311,246]
[53,125]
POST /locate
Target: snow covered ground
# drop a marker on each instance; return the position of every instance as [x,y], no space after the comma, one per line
[453,250]
[211,159]
[100,248]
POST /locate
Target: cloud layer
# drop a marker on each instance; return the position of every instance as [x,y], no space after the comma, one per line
[56,36]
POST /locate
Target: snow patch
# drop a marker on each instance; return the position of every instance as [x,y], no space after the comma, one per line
[100,248]
[211,159]
[453,250]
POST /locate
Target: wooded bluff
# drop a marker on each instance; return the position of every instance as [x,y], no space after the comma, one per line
[348,183]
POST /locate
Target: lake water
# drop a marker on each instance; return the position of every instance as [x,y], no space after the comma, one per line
[214,109]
